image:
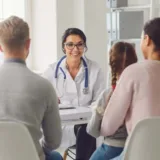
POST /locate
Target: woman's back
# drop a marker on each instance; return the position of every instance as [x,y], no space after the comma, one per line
[146,91]
[137,96]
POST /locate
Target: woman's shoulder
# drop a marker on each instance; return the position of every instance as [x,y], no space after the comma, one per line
[48,73]
[92,64]
[51,67]
[134,72]
[135,68]
[137,65]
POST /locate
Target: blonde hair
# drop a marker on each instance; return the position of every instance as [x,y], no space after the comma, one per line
[14,32]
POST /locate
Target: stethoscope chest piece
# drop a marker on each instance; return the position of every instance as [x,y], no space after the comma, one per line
[85,90]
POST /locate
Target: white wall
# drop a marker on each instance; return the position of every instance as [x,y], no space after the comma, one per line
[65,19]
[95,29]
[44,35]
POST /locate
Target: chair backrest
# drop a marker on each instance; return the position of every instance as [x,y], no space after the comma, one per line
[16,142]
[144,141]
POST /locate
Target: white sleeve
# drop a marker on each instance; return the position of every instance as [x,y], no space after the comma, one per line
[49,73]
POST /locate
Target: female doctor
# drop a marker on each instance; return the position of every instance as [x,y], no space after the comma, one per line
[77,80]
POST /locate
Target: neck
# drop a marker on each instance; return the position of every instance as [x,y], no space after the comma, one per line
[15,55]
[154,56]
[73,64]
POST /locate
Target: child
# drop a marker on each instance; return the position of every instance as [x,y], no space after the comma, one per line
[122,54]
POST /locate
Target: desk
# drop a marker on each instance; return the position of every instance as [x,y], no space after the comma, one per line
[78,115]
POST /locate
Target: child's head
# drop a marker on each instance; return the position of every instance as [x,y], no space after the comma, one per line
[122,54]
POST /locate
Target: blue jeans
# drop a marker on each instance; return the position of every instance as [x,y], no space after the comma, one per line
[120,157]
[105,152]
[53,155]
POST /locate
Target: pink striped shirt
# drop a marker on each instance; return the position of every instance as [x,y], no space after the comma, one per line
[136,96]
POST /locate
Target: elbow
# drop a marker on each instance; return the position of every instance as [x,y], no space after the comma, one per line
[106,131]
[54,145]
[57,142]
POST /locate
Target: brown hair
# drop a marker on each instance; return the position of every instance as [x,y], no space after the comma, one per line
[122,54]
[13,33]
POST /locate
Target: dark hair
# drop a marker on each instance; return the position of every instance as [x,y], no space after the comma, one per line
[122,54]
[152,29]
[73,31]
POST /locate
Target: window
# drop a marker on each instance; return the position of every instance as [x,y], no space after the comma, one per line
[11,7]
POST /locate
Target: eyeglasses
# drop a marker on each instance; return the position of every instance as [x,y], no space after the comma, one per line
[70,46]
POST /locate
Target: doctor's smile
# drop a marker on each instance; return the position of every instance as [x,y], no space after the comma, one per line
[74,47]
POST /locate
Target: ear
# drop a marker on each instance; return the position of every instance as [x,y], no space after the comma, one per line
[147,40]
[28,42]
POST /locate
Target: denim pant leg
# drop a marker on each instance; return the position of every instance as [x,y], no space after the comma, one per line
[105,152]
[120,157]
[53,155]
[99,153]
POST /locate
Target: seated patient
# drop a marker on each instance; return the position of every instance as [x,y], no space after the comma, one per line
[24,96]
[122,54]
[137,95]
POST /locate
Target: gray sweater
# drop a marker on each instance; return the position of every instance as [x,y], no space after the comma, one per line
[31,100]
[94,125]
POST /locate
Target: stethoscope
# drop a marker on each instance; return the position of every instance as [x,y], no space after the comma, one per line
[85,89]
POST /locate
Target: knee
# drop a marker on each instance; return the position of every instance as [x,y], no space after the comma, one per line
[55,156]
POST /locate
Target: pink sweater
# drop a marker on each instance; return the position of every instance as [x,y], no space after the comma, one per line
[137,96]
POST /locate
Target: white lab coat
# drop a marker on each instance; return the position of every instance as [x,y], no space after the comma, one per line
[70,92]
